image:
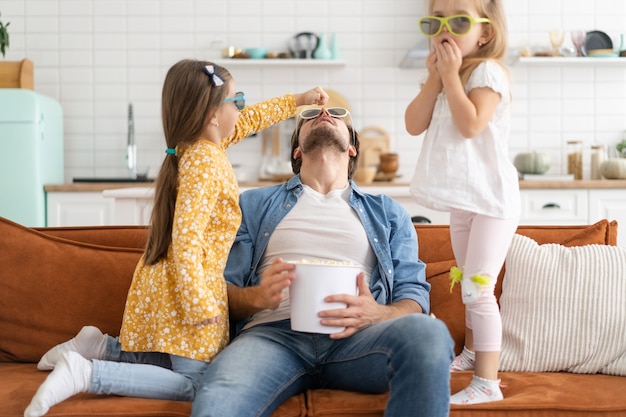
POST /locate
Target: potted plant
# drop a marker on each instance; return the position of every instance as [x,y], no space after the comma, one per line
[4,37]
[14,74]
[621,148]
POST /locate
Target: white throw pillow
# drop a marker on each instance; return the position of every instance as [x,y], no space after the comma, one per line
[564,308]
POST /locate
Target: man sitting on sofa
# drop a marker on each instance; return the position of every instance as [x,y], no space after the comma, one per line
[390,343]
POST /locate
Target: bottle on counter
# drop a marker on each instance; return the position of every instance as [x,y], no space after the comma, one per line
[598,155]
[575,158]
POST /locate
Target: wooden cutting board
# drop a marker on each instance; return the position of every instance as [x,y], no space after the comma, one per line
[374,141]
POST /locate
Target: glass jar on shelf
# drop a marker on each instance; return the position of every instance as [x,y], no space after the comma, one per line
[598,155]
[575,158]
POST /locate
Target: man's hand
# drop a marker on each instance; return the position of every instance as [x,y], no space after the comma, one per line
[361,310]
[273,281]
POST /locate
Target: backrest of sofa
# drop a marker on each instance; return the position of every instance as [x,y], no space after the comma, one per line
[54,281]
[114,236]
[436,250]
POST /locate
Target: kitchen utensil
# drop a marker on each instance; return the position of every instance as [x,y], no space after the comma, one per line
[303,44]
[556,39]
[578,39]
[276,160]
[596,39]
[374,142]
[601,53]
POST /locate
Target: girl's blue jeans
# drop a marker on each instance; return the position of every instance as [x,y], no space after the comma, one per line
[409,357]
[146,374]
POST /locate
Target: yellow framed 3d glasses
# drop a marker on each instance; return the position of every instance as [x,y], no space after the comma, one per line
[457,25]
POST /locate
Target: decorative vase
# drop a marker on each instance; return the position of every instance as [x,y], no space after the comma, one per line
[388,163]
[334,47]
[322,51]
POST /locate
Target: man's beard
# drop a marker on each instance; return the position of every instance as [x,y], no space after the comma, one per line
[322,138]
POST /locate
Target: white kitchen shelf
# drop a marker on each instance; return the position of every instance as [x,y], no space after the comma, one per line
[583,61]
[280,62]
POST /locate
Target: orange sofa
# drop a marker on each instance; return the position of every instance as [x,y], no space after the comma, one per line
[53,281]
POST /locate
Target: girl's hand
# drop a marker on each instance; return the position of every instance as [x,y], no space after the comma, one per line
[316,96]
[449,57]
[212,320]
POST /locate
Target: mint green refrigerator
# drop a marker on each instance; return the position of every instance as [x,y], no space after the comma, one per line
[31,149]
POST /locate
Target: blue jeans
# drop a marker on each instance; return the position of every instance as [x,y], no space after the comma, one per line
[145,374]
[408,356]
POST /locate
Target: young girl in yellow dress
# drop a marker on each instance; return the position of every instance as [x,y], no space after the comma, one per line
[176,315]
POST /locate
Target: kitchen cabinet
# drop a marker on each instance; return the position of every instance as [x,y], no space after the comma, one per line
[401,194]
[131,206]
[78,209]
[609,204]
[573,206]
[554,207]
[559,203]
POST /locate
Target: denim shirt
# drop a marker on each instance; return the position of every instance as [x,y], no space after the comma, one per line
[399,274]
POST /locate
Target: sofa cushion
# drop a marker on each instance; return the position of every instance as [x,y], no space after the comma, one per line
[526,394]
[563,308]
[436,250]
[54,286]
[19,382]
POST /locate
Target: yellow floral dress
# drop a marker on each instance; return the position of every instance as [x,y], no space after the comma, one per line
[167,300]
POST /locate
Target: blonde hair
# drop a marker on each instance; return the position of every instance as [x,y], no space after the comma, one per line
[189,100]
[496,48]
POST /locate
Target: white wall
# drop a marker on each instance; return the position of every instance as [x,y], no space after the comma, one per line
[96,56]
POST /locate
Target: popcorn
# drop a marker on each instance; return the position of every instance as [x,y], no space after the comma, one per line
[331,262]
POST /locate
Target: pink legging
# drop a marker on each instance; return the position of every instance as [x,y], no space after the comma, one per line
[480,244]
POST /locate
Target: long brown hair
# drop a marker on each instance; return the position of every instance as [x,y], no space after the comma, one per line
[188,102]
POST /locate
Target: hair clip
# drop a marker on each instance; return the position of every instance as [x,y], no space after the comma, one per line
[216,80]
[170,151]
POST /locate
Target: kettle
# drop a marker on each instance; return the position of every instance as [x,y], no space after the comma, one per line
[303,44]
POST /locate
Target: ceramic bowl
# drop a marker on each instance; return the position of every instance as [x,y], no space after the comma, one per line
[365,175]
[256,53]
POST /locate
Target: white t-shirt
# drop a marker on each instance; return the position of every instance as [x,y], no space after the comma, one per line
[319,227]
[474,174]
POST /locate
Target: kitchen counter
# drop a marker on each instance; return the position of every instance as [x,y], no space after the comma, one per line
[579,184]
[576,184]
[543,202]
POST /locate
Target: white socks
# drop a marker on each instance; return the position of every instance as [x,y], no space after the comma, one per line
[71,375]
[464,361]
[480,390]
[90,343]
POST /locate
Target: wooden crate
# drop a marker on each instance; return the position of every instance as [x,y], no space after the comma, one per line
[17,74]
